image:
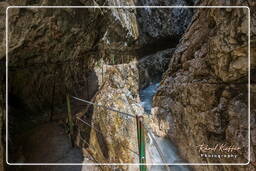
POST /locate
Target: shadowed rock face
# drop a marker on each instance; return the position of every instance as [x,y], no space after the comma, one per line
[165,23]
[57,48]
[203,98]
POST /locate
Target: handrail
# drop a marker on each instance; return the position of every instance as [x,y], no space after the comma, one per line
[93,127]
[126,114]
[157,147]
[108,108]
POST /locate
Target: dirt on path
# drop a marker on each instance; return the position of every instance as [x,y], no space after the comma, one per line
[49,143]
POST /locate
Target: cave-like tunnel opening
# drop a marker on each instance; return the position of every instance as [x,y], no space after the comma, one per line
[37,107]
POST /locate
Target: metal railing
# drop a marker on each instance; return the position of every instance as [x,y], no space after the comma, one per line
[141,129]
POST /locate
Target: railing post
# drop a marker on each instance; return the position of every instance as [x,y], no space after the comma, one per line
[141,142]
[70,121]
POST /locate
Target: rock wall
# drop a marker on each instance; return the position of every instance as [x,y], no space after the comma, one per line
[51,50]
[164,24]
[115,140]
[2,89]
[203,98]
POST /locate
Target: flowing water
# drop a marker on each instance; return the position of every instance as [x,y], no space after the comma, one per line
[168,150]
[146,96]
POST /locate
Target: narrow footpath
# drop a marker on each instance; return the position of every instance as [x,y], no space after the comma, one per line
[49,143]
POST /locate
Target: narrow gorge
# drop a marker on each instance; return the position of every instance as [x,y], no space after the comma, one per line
[79,77]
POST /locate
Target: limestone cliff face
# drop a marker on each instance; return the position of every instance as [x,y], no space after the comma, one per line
[60,47]
[114,139]
[203,98]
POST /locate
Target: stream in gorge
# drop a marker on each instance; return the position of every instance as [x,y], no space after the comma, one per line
[168,150]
